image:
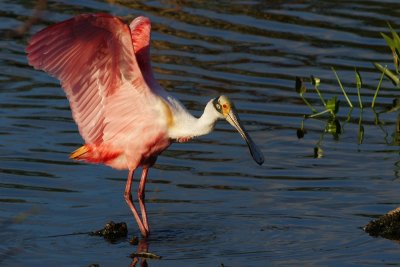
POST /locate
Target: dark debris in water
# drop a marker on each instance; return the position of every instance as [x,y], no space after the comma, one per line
[112,231]
[387,226]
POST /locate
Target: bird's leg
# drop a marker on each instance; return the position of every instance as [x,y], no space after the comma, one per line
[128,199]
[141,195]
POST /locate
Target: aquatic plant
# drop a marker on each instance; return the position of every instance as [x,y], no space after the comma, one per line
[394,45]
[332,105]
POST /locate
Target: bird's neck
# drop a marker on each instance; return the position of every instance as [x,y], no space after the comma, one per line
[205,124]
[187,126]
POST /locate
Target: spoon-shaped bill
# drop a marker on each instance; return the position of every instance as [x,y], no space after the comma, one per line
[255,152]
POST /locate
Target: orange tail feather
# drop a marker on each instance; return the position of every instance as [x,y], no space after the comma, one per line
[79,152]
[95,154]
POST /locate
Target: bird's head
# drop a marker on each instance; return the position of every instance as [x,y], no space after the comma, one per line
[226,110]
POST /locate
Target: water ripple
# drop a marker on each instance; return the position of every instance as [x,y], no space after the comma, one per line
[209,203]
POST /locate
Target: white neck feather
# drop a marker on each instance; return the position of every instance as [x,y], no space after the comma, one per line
[187,126]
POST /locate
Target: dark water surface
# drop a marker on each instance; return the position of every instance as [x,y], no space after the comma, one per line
[209,203]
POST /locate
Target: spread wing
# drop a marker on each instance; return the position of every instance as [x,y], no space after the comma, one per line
[93,57]
[141,34]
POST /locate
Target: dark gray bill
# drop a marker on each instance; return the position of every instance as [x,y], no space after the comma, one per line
[255,152]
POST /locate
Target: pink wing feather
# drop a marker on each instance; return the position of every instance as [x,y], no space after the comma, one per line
[141,33]
[93,57]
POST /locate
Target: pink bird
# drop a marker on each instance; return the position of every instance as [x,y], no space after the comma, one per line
[124,116]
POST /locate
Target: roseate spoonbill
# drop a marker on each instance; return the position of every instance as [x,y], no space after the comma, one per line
[124,116]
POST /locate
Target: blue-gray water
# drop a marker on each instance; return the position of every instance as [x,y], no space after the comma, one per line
[209,203]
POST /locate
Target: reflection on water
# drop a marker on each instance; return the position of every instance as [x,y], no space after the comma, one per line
[209,203]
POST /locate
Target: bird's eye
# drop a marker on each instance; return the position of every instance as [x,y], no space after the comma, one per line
[217,105]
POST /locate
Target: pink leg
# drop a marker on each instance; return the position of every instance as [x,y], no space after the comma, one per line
[141,195]
[128,199]
[143,246]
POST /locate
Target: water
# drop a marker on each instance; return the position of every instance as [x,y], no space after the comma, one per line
[209,203]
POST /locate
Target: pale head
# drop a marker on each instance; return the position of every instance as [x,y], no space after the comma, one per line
[227,111]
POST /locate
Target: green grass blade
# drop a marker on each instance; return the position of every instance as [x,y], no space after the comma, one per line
[359,84]
[315,82]
[395,54]
[393,77]
[360,136]
[396,38]
[377,89]
[395,51]
[395,47]
[308,104]
[318,114]
[341,87]
[389,41]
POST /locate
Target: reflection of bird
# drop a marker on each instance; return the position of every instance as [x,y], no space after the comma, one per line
[124,116]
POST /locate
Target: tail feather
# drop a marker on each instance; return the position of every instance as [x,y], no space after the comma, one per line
[95,153]
[77,154]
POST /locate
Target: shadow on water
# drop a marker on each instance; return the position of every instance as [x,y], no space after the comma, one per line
[208,203]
